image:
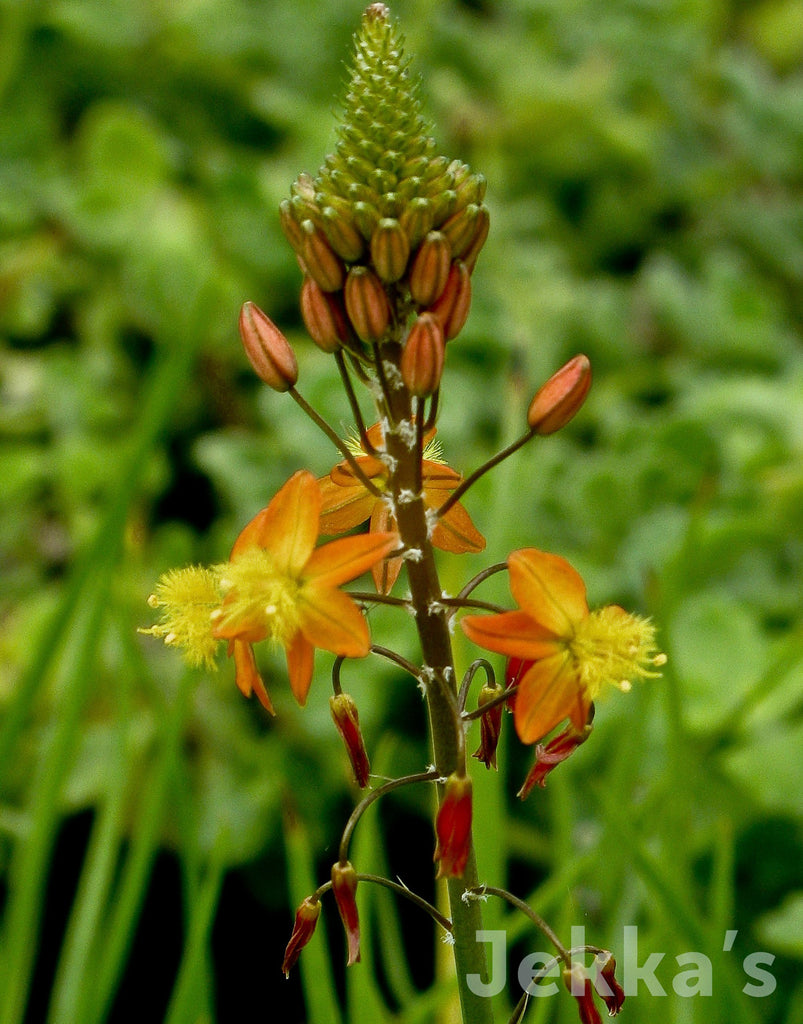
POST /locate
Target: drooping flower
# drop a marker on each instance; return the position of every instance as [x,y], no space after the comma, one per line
[276,585]
[347,503]
[347,721]
[453,827]
[306,919]
[575,653]
[608,988]
[344,887]
[577,981]
[549,755]
[490,725]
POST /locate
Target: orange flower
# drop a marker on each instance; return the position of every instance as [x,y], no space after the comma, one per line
[346,503]
[574,653]
[279,586]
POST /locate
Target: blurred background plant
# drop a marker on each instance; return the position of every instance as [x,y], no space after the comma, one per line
[645,163]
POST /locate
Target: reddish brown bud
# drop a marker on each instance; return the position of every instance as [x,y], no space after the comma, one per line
[306,918]
[576,980]
[367,304]
[490,725]
[421,362]
[608,988]
[430,269]
[347,720]
[455,301]
[321,263]
[557,401]
[344,887]
[344,238]
[324,316]
[390,250]
[453,827]
[267,349]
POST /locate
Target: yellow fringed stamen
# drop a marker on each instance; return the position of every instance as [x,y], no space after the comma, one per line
[187,598]
[612,647]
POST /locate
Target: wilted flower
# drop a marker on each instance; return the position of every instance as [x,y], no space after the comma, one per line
[453,827]
[344,887]
[306,919]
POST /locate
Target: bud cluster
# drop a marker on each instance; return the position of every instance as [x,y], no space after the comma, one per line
[388,230]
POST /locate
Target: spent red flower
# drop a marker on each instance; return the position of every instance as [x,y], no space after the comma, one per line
[453,827]
[344,887]
[306,919]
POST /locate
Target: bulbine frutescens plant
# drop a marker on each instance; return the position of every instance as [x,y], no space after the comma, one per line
[387,236]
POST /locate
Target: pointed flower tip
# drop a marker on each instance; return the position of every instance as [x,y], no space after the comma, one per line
[347,722]
[344,887]
[306,919]
[268,350]
[558,400]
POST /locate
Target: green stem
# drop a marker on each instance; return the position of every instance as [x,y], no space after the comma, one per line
[446,728]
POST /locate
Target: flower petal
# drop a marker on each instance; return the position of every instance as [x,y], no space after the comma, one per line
[331,620]
[246,674]
[342,560]
[288,527]
[547,694]
[437,476]
[549,589]
[386,572]
[511,633]
[343,508]
[300,660]
[455,532]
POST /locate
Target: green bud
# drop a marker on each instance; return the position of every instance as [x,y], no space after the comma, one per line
[390,250]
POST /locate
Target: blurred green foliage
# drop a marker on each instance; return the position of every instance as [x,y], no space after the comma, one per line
[645,162]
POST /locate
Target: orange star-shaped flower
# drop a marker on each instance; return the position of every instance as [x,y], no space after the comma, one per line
[574,652]
[279,586]
[346,503]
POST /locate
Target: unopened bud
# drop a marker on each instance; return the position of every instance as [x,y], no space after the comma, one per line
[367,304]
[347,721]
[344,238]
[455,301]
[556,402]
[417,219]
[366,217]
[390,250]
[324,316]
[344,887]
[322,265]
[421,362]
[306,919]
[267,349]
[430,269]
[290,226]
[461,228]
[481,229]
